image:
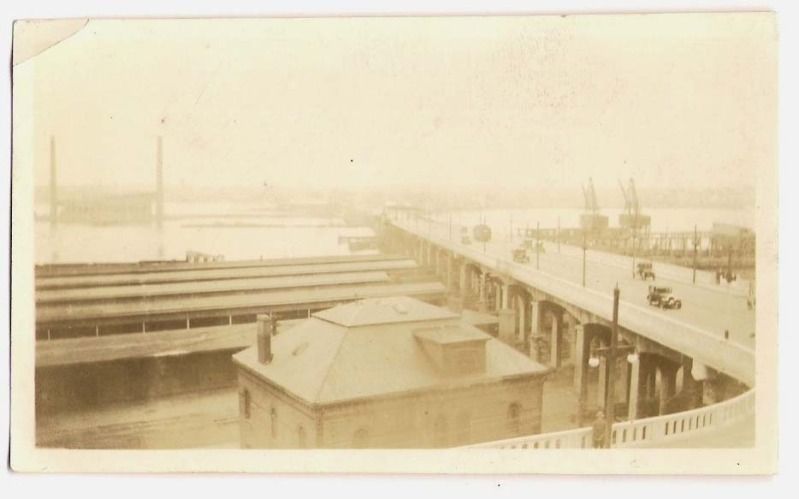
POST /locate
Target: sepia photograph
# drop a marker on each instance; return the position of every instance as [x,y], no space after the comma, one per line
[517,243]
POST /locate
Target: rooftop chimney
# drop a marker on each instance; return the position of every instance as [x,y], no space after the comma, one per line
[266,328]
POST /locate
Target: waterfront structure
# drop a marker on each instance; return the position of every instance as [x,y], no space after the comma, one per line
[384,373]
[107,208]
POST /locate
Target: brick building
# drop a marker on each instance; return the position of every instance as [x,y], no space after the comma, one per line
[384,373]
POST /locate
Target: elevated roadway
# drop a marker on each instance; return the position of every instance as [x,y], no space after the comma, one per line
[714,326]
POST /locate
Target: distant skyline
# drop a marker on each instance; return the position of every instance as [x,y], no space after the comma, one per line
[675,101]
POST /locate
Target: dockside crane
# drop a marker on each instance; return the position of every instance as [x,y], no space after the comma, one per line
[591,219]
[589,194]
[632,218]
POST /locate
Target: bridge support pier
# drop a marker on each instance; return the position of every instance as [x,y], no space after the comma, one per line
[692,388]
[482,305]
[507,323]
[453,281]
[464,280]
[668,384]
[535,318]
[521,318]
[633,389]
[555,337]
[580,373]
[505,314]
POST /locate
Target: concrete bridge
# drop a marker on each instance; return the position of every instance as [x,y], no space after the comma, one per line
[544,308]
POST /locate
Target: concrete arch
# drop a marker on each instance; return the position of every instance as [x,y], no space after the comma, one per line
[551,327]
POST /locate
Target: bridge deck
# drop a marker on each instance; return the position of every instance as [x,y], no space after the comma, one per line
[228,286]
[698,329]
[136,279]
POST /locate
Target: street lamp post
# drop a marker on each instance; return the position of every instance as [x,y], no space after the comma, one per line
[611,353]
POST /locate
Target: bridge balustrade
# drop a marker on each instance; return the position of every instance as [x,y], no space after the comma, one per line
[642,432]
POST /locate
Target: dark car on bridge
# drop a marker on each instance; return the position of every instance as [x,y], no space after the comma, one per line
[520,256]
[662,297]
[645,271]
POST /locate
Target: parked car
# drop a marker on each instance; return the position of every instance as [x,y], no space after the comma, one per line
[662,297]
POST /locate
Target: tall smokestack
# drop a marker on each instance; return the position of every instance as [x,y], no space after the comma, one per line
[159,180]
[266,327]
[53,184]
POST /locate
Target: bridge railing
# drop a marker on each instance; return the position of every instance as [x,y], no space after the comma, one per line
[643,432]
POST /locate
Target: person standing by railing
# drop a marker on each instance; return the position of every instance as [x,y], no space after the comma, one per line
[598,431]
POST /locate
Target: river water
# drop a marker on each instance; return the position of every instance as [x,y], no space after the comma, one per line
[234,231]
[239,231]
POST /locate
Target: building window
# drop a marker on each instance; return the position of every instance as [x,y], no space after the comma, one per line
[301,437]
[245,403]
[361,438]
[273,417]
[441,431]
[514,417]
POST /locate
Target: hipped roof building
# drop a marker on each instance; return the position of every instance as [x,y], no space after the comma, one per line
[390,372]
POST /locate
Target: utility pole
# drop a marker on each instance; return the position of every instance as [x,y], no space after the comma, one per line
[159,182]
[696,247]
[729,263]
[610,370]
[558,238]
[584,243]
[635,237]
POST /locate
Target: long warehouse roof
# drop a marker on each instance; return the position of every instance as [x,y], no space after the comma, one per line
[228,286]
[220,274]
[88,312]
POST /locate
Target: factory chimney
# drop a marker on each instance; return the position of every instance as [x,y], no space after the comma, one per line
[266,328]
[159,174]
[53,184]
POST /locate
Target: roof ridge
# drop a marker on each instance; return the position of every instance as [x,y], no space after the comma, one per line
[332,362]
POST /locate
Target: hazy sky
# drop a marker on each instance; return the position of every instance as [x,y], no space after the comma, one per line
[671,100]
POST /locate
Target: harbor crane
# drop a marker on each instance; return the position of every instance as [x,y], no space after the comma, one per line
[591,219]
[632,218]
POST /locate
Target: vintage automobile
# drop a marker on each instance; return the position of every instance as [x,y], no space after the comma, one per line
[520,256]
[662,297]
[481,233]
[644,271]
